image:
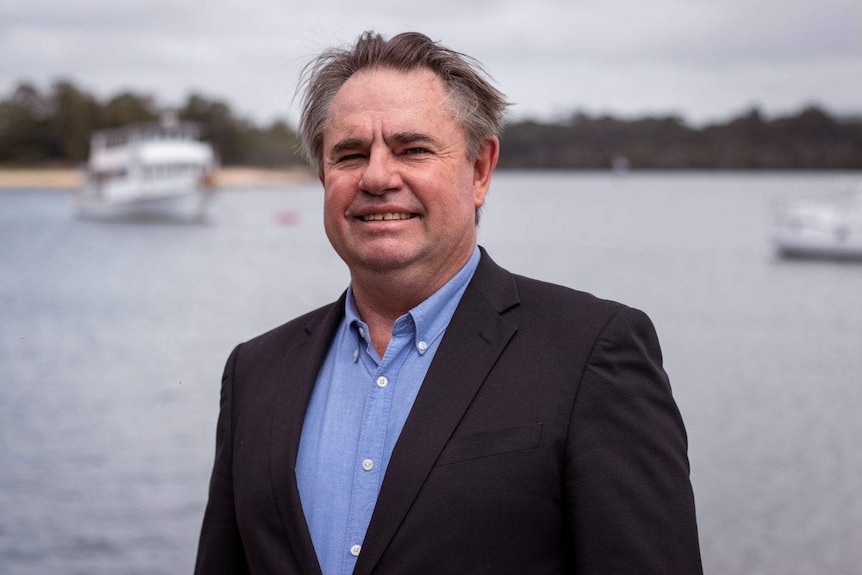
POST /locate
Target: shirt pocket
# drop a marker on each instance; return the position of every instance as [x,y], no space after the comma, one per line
[492,442]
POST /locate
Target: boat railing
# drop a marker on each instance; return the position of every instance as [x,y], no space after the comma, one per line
[124,136]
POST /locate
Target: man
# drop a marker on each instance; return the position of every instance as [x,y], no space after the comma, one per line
[444,416]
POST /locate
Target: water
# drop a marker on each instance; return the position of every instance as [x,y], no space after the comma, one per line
[113,337]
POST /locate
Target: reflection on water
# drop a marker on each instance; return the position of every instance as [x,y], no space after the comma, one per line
[112,340]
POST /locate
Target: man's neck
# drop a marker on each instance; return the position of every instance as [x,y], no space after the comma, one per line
[379,305]
[381,298]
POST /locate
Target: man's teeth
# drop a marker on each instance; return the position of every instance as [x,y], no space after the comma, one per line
[379,217]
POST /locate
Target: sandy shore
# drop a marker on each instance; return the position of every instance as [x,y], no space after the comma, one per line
[61,178]
[255,177]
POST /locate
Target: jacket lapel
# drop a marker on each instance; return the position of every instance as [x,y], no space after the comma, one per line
[295,378]
[474,340]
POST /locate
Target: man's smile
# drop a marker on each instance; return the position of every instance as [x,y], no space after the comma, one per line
[386,216]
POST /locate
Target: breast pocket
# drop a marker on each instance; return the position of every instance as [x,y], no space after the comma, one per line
[490,443]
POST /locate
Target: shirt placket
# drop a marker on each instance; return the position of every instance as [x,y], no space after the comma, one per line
[370,450]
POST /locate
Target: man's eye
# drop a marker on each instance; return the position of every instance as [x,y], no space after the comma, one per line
[348,157]
[414,151]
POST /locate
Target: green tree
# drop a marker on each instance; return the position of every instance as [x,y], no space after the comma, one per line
[276,146]
[227,134]
[75,114]
[23,122]
[127,108]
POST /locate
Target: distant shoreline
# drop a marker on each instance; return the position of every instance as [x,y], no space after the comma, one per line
[71,178]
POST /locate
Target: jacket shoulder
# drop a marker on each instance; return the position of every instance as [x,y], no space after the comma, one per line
[278,339]
[566,301]
[545,307]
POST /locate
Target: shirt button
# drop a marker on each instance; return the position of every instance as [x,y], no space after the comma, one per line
[422,346]
[355,354]
[361,332]
[354,550]
[382,381]
[367,464]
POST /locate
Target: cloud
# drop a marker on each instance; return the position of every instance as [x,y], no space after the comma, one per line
[701,58]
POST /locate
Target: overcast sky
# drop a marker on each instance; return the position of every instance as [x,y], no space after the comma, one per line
[704,60]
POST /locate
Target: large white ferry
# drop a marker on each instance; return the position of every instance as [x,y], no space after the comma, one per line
[155,169]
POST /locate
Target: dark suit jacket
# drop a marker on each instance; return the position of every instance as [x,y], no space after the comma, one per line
[544,439]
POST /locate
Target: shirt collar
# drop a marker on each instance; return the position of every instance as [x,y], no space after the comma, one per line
[429,319]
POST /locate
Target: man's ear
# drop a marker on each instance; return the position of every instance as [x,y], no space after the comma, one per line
[483,167]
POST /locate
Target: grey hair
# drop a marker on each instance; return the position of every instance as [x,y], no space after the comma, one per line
[474,103]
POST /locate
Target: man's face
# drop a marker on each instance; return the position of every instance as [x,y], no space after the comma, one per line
[400,191]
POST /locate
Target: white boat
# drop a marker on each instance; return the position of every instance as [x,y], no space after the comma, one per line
[149,170]
[826,228]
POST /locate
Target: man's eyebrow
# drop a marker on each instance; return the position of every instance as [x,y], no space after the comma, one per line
[410,138]
[399,138]
[346,144]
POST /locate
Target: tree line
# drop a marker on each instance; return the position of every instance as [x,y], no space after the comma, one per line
[54,127]
[810,139]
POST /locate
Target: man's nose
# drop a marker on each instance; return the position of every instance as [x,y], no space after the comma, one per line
[381,174]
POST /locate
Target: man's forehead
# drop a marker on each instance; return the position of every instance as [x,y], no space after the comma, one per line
[388,90]
[391,104]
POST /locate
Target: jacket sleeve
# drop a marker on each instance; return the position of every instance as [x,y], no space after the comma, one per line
[628,495]
[220,550]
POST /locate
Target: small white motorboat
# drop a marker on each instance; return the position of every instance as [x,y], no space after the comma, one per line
[149,170]
[825,228]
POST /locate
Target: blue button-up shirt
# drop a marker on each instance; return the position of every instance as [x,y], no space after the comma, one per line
[357,410]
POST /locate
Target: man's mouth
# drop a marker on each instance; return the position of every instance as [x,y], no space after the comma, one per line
[386,217]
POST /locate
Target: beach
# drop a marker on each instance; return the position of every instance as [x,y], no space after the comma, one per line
[70,178]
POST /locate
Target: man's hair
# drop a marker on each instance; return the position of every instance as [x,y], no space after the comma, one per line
[473,101]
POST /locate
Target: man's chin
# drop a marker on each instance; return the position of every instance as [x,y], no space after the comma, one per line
[386,264]
[381,260]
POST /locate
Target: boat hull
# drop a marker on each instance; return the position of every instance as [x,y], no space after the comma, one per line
[820,248]
[176,204]
[824,229]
